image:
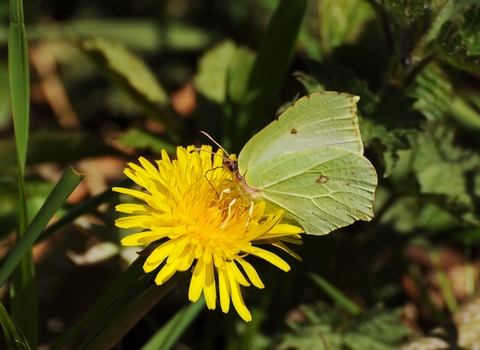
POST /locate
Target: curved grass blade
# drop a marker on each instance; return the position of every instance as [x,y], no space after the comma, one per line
[124,317]
[270,69]
[68,182]
[23,305]
[13,336]
[166,337]
[85,207]
[124,282]
[336,295]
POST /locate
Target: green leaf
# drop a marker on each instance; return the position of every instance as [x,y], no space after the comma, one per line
[433,91]
[385,126]
[221,83]
[5,107]
[211,79]
[130,74]
[448,172]
[23,306]
[13,336]
[470,29]
[323,327]
[453,50]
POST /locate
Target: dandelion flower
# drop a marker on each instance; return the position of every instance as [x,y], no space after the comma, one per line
[192,208]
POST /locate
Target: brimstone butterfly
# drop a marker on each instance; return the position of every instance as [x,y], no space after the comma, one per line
[310,163]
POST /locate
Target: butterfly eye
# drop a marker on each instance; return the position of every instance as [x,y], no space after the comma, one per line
[231,165]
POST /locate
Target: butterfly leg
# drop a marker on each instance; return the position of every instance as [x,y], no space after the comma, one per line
[250,211]
[230,205]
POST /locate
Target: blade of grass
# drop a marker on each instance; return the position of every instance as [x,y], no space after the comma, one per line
[13,336]
[133,313]
[124,282]
[445,286]
[118,307]
[68,182]
[427,300]
[270,69]
[23,305]
[336,295]
[85,207]
[166,337]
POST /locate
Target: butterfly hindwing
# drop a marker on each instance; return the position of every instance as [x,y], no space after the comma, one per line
[321,189]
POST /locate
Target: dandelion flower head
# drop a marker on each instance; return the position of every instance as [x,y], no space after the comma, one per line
[192,207]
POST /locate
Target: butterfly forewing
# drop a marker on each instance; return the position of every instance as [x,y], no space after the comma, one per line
[320,120]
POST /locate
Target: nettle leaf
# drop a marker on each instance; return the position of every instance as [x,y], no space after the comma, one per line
[325,327]
[433,92]
[407,10]
[330,76]
[386,119]
[448,172]
[387,128]
[470,30]
[454,50]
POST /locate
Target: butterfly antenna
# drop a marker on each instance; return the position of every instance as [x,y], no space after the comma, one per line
[215,142]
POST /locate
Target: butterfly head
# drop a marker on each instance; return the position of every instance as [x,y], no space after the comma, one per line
[231,164]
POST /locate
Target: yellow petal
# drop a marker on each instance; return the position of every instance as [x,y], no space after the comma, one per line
[237,299]
[209,289]
[197,282]
[130,192]
[224,289]
[271,258]
[165,273]
[158,256]
[234,271]
[140,238]
[251,273]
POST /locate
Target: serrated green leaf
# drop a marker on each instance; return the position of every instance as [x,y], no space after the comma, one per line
[453,50]
[132,75]
[447,171]
[324,327]
[331,76]
[469,30]
[407,10]
[433,92]
[387,126]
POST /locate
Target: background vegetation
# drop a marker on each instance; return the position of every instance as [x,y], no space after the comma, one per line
[112,80]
